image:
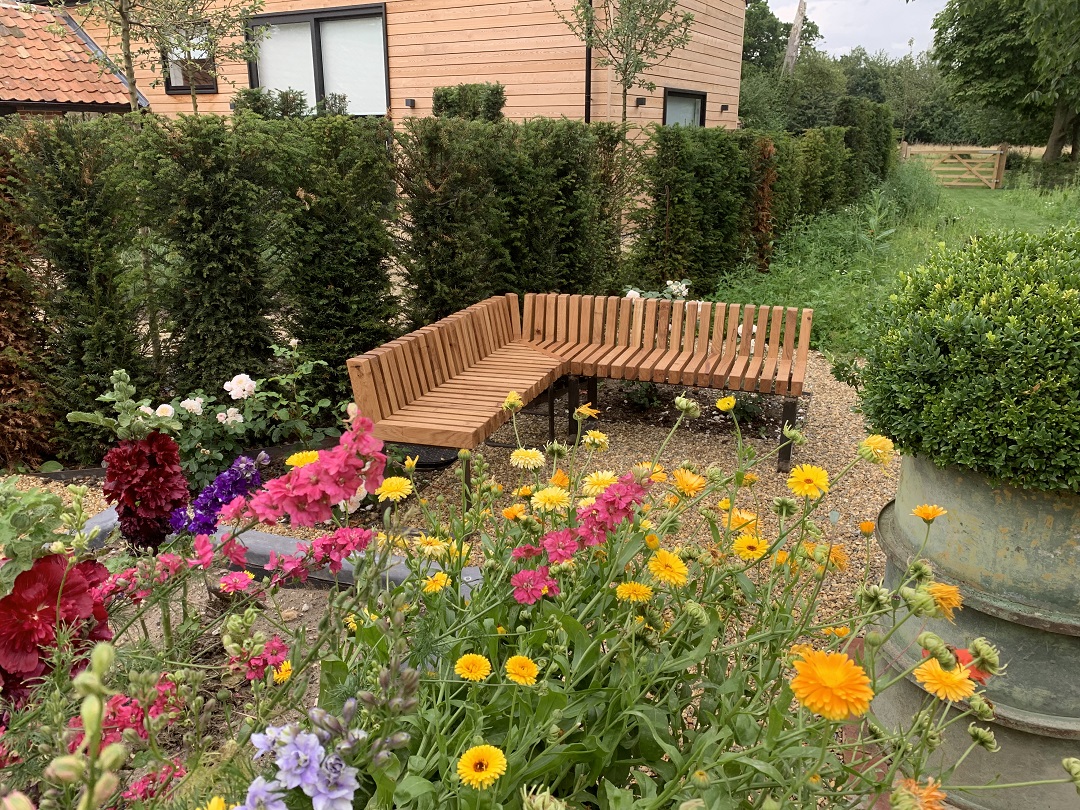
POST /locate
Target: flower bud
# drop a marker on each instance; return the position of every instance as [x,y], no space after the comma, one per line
[794,436]
[769,803]
[933,644]
[87,683]
[785,507]
[90,711]
[918,601]
[983,737]
[985,656]
[368,699]
[700,778]
[398,740]
[874,639]
[101,659]
[540,800]
[873,598]
[557,450]
[921,572]
[1072,767]
[464,455]
[113,756]
[106,786]
[16,800]
[66,770]
[982,708]
[687,407]
[696,612]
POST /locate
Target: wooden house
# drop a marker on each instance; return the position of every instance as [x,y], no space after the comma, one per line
[387,59]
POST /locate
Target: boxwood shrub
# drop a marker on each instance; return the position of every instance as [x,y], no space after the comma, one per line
[975,360]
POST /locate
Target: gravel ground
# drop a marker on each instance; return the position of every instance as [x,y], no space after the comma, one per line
[826,417]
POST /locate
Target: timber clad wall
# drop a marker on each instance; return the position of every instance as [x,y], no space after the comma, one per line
[521,43]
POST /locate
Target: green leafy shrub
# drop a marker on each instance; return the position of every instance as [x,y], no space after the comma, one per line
[73,203]
[336,244]
[822,158]
[976,360]
[473,102]
[869,138]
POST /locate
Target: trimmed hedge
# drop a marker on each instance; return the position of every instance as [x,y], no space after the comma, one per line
[975,361]
[473,102]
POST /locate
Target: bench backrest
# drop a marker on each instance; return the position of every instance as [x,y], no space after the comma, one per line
[761,349]
[386,379]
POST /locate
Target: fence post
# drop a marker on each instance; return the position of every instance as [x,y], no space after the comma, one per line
[999,168]
[905,150]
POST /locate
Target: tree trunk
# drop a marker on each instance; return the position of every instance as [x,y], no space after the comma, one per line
[1075,147]
[125,48]
[194,95]
[625,90]
[1064,116]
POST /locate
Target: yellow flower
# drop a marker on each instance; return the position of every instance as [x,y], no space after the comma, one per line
[909,794]
[726,404]
[595,483]
[523,492]
[481,766]
[585,503]
[513,402]
[781,557]
[808,481]
[559,479]
[410,463]
[550,499]
[302,459]
[946,684]
[740,521]
[586,411]
[595,440]
[866,528]
[645,525]
[656,471]
[928,512]
[522,670]
[431,547]
[749,479]
[527,459]
[633,592]
[689,483]
[350,622]
[838,558]
[668,568]
[436,582]
[724,505]
[500,630]
[394,488]
[800,650]
[514,512]
[216,803]
[946,597]
[455,552]
[672,500]
[283,672]
[876,448]
[472,667]
[832,685]
[750,547]
[839,632]
[652,542]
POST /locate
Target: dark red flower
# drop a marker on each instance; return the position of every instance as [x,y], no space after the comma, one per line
[146,483]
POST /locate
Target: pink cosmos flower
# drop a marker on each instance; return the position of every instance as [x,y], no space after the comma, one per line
[560,545]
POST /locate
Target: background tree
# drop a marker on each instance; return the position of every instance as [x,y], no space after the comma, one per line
[765,36]
[629,36]
[121,18]
[1054,28]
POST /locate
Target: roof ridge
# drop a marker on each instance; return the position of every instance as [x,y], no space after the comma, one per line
[31,7]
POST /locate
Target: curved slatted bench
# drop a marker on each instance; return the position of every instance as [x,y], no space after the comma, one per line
[444,384]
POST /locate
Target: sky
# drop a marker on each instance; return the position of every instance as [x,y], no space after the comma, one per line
[877,25]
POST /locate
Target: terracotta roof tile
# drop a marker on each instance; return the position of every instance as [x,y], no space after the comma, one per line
[43,60]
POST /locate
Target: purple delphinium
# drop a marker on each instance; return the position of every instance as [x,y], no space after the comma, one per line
[240,479]
[263,795]
[334,786]
[298,761]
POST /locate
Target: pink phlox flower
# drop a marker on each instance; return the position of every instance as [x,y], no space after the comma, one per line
[235,582]
[204,552]
[612,507]
[335,548]
[525,551]
[531,584]
[233,550]
[560,545]
[274,652]
[235,511]
[288,567]
[168,566]
[155,783]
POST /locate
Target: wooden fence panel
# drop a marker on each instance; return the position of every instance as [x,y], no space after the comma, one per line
[961,166]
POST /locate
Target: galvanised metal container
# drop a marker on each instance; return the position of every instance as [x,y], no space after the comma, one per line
[1015,555]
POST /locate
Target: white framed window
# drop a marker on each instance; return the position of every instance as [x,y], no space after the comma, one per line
[340,50]
[684,107]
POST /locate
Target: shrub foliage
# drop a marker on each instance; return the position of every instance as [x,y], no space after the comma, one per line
[474,102]
[976,361]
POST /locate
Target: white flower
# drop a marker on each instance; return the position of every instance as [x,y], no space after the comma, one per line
[146,409]
[165,411]
[240,387]
[193,405]
[633,294]
[294,343]
[230,417]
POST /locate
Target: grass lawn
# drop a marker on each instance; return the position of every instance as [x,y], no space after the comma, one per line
[1023,209]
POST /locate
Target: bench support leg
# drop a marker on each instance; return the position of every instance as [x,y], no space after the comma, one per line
[573,399]
[551,412]
[594,394]
[790,414]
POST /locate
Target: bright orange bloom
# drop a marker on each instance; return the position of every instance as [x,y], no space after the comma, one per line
[928,512]
[832,685]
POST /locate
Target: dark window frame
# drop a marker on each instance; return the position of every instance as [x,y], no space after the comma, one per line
[185,89]
[678,93]
[313,18]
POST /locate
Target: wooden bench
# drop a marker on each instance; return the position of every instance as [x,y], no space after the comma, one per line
[444,384]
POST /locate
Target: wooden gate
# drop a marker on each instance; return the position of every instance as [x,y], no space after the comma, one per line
[961,166]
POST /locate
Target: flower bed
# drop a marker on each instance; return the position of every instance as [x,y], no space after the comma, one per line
[601,660]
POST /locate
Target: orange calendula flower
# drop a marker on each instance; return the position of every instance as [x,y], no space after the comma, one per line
[652,542]
[832,685]
[808,481]
[866,528]
[436,582]
[514,512]
[633,592]
[522,670]
[689,483]
[523,492]
[800,650]
[472,667]
[513,402]
[946,597]
[586,411]
[750,547]
[781,557]
[909,794]
[724,505]
[481,766]
[656,471]
[839,632]
[672,500]
[740,521]
[748,479]
[876,448]
[559,478]
[668,568]
[928,512]
[838,558]
[945,684]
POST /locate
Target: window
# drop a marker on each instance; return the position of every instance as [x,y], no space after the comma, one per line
[333,51]
[187,66]
[684,107]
